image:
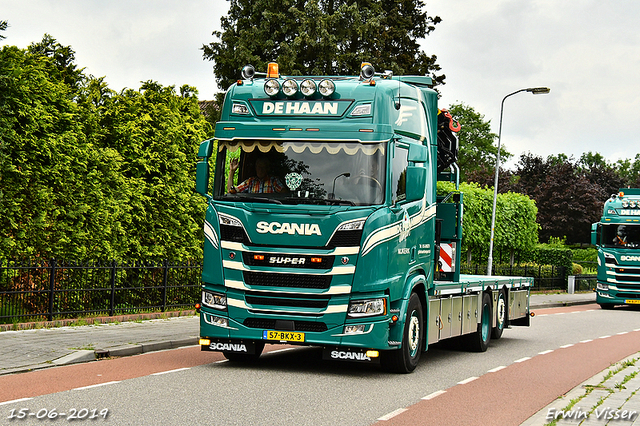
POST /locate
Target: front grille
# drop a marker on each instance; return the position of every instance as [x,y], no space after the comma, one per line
[287,260]
[625,286]
[235,234]
[628,295]
[305,326]
[288,302]
[345,239]
[287,280]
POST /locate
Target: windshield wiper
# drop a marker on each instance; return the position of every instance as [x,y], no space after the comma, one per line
[250,198]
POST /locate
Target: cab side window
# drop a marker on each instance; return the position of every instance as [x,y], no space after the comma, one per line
[399,174]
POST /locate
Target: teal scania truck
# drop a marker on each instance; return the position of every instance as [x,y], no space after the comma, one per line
[617,237]
[323,226]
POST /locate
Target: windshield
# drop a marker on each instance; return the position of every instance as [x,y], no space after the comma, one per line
[289,172]
[622,236]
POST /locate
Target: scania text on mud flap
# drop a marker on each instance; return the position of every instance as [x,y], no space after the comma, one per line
[617,237]
[323,226]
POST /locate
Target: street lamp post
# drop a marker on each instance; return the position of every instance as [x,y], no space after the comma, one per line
[535,91]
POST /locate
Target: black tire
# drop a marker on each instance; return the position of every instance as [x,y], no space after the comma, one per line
[502,315]
[607,306]
[405,359]
[236,357]
[478,341]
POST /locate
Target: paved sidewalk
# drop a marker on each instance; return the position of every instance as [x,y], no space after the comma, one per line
[611,397]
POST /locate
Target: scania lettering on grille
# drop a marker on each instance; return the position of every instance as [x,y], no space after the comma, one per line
[287,260]
[288,228]
[231,347]
[630,258]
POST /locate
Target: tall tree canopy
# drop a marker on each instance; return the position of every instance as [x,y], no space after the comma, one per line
[323,37]
[88,173]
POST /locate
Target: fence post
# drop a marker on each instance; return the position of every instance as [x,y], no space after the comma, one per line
[571,287]
[164,284]
[112,302]
[52,286]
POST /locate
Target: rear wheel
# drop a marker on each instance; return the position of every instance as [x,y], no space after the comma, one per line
[501,316]
[405,359]
[238,357]
[479,340]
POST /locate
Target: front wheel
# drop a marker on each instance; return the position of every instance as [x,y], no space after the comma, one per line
[607,306]
[405,359]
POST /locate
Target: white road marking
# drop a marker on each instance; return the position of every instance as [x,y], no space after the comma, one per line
[96,386]
[433,395]
[392,414]
[170,371]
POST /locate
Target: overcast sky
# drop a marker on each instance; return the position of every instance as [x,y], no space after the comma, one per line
[586,51]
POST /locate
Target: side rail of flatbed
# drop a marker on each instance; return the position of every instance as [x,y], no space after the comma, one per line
[461,308]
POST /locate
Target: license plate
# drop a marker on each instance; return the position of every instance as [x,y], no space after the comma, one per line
[632,301]
[283,336]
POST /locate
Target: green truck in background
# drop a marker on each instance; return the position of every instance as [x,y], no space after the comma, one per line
[323,226]
[617,237]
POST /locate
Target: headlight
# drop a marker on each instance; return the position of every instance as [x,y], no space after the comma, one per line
[214,300]
[352,226]
[272,87]
[367,308]
[633,204]
[326,87]
[229,221]
[602,286]
[308,87]
[364,109]
[625,204]
[239,109]
[289,87]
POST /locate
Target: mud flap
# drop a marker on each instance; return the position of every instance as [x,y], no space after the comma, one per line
[234,346]
[349,354]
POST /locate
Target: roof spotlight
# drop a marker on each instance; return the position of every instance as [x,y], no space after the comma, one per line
[289,87]
[308,87]
[272,87]
[326,87]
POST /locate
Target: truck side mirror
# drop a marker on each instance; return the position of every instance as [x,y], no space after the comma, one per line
[416,181]
[595,228]
[417,153]
[202,167]
[202,177]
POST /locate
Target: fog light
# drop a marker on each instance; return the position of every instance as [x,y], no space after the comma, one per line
[204,342]
[373,354]
[602,286]
[272,87]
[220,322]
[354,329]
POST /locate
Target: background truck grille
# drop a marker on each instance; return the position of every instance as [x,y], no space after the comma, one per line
[345,239]
[287,280]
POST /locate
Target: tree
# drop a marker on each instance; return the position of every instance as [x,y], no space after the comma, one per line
[477,150]
[602,174]
[516,230]
[3,27]
[568,203]
[322,37]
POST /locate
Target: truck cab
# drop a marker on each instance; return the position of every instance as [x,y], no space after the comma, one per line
[617,238]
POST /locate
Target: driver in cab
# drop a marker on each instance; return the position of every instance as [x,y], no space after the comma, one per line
[261,183]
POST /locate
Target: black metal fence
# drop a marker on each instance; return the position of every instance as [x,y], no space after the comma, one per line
[44,290]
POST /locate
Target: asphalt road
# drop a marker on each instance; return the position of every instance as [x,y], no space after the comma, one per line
[294,386]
